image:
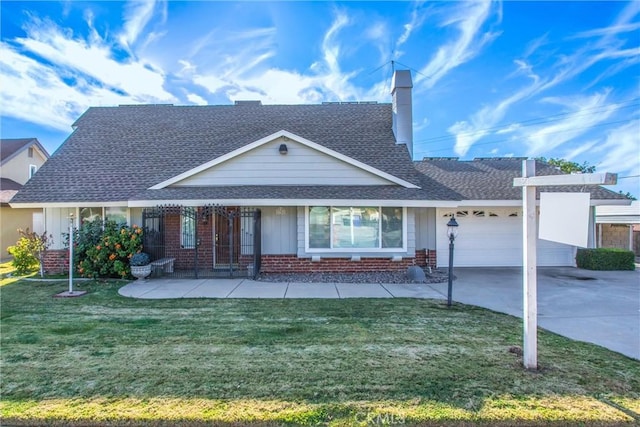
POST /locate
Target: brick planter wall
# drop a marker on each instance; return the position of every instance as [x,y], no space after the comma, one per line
[293,264]
[56,261]
[426,258]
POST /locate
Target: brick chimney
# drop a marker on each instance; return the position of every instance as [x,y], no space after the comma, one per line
[401,86]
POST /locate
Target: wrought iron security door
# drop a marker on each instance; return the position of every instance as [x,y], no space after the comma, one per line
[204,241]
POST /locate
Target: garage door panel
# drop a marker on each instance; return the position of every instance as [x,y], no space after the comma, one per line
[494,241]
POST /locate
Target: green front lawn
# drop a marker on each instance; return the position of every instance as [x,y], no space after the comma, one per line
[103,359]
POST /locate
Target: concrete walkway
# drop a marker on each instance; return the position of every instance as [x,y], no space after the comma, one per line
[601,307]
[245,288]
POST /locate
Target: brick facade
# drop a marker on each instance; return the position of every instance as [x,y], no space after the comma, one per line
[293,264]
[426,258]
[56,261]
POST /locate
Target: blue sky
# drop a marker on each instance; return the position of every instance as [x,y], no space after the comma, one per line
[525,79]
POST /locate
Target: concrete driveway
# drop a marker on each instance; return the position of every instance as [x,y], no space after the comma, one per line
[600,307]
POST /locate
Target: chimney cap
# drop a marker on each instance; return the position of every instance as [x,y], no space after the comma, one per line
[401,78]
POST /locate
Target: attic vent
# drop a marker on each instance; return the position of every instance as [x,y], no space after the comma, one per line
[248,103]
[349,102]
[440,158]
[145,105]
[500,158]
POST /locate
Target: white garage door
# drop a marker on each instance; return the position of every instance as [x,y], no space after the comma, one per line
[489,237]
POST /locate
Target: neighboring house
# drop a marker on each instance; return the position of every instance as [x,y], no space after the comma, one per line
[20,159]
[619,227]
[285,188]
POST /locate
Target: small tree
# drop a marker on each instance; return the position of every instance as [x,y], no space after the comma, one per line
[29,250]
[569,167]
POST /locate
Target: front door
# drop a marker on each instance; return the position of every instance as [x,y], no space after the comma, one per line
[226,238]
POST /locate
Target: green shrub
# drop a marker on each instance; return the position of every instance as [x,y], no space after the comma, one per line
[105,250]
[28,250]
[605,259]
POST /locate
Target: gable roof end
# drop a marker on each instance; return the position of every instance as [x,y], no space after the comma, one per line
[11,147]
[296,138]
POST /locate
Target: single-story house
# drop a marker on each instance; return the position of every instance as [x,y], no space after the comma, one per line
[20,159]
[286,188]
[619,227]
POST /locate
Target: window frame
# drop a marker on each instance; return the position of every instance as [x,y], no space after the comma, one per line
[183,242]
[379,249]
[32,170]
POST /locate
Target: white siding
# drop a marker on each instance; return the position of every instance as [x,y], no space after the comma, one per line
[494,241]
[57,224]
[135,217]
[279,232]
[302,165]
[426,228]
[411,232]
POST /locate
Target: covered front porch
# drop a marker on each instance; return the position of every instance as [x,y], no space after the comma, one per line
[203,241]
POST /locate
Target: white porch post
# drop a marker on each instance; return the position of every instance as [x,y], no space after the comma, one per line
[529,263]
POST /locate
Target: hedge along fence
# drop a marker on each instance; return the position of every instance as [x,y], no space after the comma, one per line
[605,259]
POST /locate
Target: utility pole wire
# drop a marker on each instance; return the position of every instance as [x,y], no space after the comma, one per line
[536,121]
[546,133]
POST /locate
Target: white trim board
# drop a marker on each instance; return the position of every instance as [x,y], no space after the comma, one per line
[296,202]
[287,135]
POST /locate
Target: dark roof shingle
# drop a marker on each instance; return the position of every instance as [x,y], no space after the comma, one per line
[492,178]
[118,152]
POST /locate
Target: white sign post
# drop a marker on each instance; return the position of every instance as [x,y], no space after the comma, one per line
[529,182]
[71,254]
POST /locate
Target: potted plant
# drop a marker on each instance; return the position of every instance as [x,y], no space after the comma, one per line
[140,265]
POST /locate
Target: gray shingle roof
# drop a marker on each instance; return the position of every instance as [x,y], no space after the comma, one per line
[492,179]
[8,189]
[373,192]
[116,153]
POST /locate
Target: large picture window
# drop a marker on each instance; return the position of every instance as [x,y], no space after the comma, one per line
[355,227]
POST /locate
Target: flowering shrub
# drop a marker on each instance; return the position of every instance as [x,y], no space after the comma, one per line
[106,252]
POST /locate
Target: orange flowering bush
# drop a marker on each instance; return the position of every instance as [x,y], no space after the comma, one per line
[105,252]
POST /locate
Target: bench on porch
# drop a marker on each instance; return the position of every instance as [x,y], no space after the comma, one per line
[162,265]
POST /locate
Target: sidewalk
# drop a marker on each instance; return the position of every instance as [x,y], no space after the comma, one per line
[245,288]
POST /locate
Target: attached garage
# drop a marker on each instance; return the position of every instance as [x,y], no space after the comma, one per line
[492,237]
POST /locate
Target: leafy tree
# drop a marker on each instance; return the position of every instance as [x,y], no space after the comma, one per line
[628,195]
[570,167]
[567,166]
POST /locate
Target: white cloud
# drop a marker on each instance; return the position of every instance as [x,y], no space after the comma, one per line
[196,99]
[136,17]
[468,18]
[242,75]
[94,58]
[606,47]
[417,19]
[585,112]
[620,150]
[36,93]
[482,122]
